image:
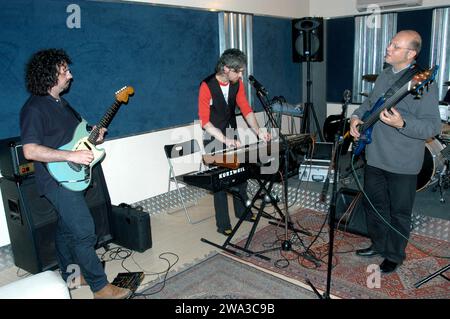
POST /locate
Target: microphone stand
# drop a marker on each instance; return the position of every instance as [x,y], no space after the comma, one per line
[338,140]
[286,245]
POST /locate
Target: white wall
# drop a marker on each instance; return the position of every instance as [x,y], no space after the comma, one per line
[136,168]
[338,8]
[281,8]
[333,108]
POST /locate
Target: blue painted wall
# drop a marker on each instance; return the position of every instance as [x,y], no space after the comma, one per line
[339,57]
[272,59]
[162,52]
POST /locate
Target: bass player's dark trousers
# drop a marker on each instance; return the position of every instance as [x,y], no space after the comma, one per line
[393,197]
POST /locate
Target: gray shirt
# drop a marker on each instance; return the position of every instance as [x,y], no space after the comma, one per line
[401,150]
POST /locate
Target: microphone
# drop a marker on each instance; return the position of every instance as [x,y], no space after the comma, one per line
[347,95]
[258,86]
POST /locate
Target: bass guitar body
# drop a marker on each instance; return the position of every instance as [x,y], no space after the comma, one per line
[366,135]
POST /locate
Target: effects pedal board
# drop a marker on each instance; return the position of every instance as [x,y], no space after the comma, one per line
[130,280]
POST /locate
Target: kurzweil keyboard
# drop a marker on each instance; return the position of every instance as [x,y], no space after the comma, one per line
[217,178]
[259,160]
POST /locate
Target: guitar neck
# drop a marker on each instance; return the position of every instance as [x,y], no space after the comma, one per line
[388,104]
[104,122]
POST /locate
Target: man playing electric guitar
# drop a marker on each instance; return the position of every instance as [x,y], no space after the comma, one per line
[395,154]
[46,123]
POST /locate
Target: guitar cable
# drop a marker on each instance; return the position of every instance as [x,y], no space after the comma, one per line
[409,240]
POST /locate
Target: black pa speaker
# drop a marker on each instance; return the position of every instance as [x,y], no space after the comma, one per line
[307,40]
[350,215]
[31,220]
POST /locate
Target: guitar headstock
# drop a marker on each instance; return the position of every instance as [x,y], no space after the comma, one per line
[423,79]
[123,94]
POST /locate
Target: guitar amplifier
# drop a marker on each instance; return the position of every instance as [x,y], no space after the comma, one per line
[131,228]
[13,163]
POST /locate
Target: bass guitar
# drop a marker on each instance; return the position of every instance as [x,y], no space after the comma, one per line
[77,177]
[415,86]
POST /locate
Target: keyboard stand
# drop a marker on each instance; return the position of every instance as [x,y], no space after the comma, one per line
[265,187]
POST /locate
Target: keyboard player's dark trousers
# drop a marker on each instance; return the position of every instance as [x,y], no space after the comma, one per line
[220,198]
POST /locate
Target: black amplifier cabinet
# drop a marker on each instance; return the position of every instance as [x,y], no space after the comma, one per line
[350,215]
[13,164]
[32,220]
[131,228]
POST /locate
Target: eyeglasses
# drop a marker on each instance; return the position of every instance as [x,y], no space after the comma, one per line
[237,71]
[396,47]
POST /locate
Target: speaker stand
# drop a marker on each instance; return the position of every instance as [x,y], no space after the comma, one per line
[305,128]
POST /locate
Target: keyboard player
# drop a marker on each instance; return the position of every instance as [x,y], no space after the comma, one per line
[219,95]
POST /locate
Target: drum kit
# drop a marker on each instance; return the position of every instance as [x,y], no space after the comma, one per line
[436,165]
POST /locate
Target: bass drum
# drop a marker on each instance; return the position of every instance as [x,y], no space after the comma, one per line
[433,163]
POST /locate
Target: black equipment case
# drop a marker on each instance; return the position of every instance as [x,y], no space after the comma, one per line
[131,227]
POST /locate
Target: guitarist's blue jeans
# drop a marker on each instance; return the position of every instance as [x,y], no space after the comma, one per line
[75,237]
[393,196]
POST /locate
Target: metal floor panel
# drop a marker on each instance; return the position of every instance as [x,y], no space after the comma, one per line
[6,257]
[170,201]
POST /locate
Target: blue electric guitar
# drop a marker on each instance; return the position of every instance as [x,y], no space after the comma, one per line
[415,86]
[77,177]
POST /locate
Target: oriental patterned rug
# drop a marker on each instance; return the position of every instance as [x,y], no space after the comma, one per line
[352,277]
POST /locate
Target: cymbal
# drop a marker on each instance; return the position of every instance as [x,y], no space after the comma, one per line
[364,94]
[370,77]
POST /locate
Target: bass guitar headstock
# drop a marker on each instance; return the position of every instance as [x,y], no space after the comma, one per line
[422,80]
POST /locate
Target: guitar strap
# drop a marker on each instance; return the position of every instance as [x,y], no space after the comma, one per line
[405,78]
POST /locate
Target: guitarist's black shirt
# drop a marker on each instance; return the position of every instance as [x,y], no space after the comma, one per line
[48,122]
